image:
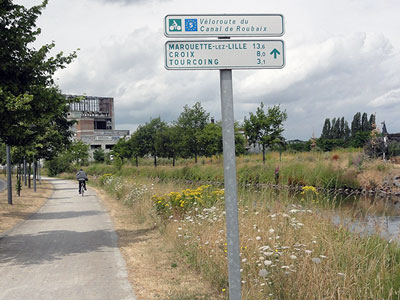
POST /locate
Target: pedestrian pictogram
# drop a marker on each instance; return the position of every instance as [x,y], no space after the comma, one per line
[175,25]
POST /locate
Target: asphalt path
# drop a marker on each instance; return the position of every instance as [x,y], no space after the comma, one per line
[68,250]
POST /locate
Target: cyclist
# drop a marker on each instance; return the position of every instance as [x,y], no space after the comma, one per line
[82,178]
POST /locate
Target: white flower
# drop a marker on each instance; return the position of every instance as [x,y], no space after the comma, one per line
[285,267]
[258,238]
[263,273]
[293,256]
[268,253]
[316,260]
[244,260]
[271,231]
[267,262]
[308,251]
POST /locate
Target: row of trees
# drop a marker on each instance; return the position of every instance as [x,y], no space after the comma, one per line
[337,133]
[193,135]
[33,110]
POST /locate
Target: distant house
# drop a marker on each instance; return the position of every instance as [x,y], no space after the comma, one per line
[95,124]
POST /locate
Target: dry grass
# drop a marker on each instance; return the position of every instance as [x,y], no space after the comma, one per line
[289,252]
[155,270]
[23,206]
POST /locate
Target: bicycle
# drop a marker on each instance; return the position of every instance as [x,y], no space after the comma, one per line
[82,187]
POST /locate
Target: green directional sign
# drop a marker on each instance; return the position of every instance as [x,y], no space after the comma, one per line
[224,54]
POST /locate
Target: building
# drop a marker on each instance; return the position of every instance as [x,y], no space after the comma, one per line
[95,122]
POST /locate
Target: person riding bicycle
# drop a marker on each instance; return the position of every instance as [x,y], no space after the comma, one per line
[82,178]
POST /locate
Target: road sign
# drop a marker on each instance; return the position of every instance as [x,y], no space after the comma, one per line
[223,25]
[224,54]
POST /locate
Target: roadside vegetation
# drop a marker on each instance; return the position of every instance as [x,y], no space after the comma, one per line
[290,248]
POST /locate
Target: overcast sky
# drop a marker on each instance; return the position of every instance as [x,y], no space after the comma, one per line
[342,57]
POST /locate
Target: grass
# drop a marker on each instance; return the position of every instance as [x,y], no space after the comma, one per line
[289,247]
[330,171]
[24,206]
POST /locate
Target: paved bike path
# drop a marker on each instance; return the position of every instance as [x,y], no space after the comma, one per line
[68,250]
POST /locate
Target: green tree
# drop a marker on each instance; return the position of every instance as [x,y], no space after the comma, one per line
[98,155]
[265,128]
[191,122]
[372,121]
[122,149]
[79,152]
[240,140]
[364,123]
[146,137]
[210,139]
[168,143]
[356,124]
[326,130]
[26,74]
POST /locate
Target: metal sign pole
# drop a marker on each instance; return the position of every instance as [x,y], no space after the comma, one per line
[9,170]
[231,207]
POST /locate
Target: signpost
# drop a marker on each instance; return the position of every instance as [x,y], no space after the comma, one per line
[227,25]
[224,55]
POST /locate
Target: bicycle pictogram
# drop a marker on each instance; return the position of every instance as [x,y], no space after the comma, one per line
[175,25]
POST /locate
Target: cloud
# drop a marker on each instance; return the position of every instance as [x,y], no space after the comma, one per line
[336,77]
[387,100]
[130,2]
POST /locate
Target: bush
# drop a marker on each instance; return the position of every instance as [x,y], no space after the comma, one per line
[57,165]
[98,155]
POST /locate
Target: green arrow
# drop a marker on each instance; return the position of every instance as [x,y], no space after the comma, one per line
[275,52]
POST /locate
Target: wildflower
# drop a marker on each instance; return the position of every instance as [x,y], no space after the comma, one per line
[268,254]
[271,231]
[308,251]
[267,262]
[244,260]
[293,256]
[263,273]
[258,238]
[316,260]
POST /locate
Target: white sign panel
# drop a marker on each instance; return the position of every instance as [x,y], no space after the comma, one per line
[223,25]
[224,54]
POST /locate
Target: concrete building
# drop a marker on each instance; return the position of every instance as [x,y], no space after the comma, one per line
[95,124]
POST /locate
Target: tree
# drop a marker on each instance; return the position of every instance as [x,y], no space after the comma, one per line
[210,139]
[122,149]
[265,128]
[191,122]
[146,136]
[79,152]
[372,122]
[98,155]
[25,75]
[168,143]
[26,105]
[364,123]
[356,124]
[326,130]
